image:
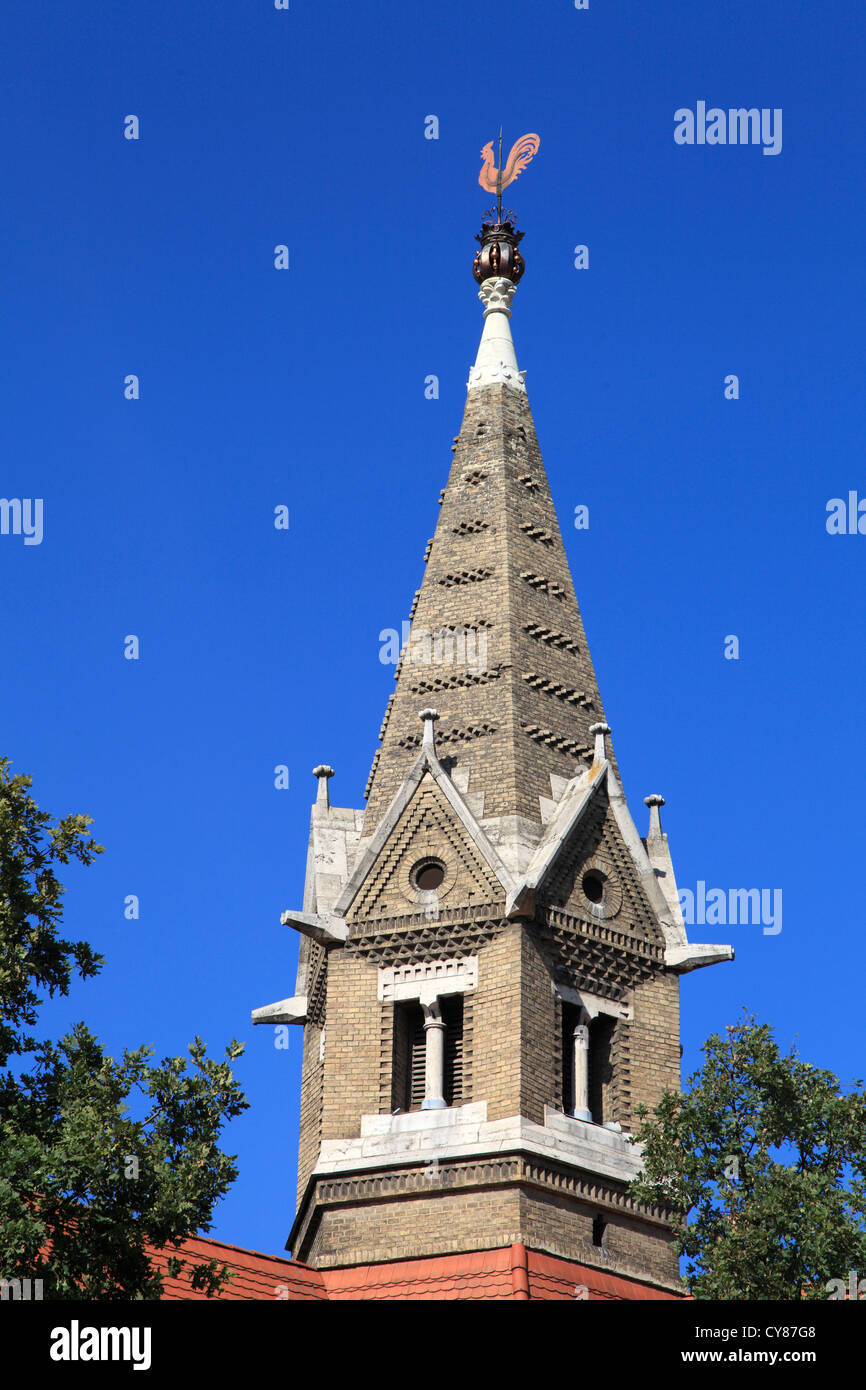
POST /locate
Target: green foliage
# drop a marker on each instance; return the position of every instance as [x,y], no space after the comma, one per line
[763,1162]
[85,1188]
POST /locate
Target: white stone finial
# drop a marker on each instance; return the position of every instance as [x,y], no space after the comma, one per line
[429,717]
[496,360]
[654,802]
[600,730]
[496,295]
[324,774]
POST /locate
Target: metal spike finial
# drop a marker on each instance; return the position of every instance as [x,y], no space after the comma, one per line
[499,182]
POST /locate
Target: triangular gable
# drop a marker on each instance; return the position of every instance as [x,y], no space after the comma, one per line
[680,954]
[560,832]
[596,851]
[425,765]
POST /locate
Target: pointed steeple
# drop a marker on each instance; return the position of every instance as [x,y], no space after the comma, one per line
[496,635]
[488,978]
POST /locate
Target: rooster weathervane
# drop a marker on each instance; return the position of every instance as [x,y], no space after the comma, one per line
[493,180]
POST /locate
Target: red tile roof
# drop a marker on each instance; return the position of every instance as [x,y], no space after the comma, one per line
[509,1272]
[483,1274]
[554,1278]
[255,1276]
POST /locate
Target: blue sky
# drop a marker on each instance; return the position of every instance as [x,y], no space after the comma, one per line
[306,388]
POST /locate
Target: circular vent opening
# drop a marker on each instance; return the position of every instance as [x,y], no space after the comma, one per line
[593,886]
[428,875]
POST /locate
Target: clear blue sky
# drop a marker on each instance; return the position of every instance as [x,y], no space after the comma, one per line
[306,388]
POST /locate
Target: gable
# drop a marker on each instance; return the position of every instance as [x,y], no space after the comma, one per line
[428,828]
[597,852]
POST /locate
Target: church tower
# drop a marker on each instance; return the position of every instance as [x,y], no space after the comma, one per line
[490,953]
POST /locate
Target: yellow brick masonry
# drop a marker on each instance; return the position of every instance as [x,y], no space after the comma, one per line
[498,478]
[496,563]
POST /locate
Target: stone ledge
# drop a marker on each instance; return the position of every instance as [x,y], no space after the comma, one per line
[421,1120]
[393,1140]
[581,1129]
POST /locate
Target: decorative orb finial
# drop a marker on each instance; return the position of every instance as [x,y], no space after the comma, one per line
[499,256]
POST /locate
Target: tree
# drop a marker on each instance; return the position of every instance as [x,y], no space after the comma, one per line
[763,1161]
[87,1181]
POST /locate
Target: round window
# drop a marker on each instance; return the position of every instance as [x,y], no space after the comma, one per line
[593,886]
[428,875]
[600,889]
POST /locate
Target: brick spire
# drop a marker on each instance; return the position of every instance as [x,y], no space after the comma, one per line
[488,979]
[496,641]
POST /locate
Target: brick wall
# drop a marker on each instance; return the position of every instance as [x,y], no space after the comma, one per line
[352,1046]
[312,1078]
[400,1229]
[553,1223]
[497,1050]
[436,1220]
[655,1040]
[537,1027]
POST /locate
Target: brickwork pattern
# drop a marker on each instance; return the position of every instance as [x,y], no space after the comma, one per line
[552,1222]
[468,1045]
[400,1229]
[498,1051]
[352,1046]
[428,827]
[312,1096]
[597,956]
[415,937]
[517,578]
[598,837]
[387,1021]
[537,1029]
[654,1041]
[620,1087]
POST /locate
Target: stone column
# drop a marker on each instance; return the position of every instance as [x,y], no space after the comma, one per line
[581,1071]
[496,360]
[600,731]
[655,803]
[428,718]
[434,1056]
[323,773]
